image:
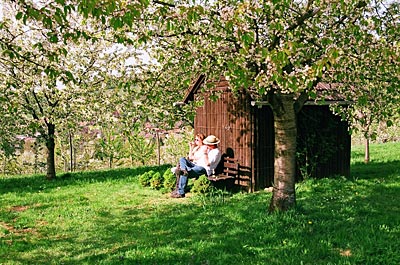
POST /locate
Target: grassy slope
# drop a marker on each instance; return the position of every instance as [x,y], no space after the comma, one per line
[106,218]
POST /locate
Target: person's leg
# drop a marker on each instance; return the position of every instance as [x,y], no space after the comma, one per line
[177,181]
[177,174]
[182,184]
[181,180]
[197,171]
[185,164]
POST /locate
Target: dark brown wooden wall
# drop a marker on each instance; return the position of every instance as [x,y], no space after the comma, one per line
[264,147]
[325,135]
[247,134]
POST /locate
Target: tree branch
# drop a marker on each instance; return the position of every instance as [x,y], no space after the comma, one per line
[299,21]
[163,3]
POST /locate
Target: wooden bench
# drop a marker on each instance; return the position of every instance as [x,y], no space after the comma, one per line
[226,173]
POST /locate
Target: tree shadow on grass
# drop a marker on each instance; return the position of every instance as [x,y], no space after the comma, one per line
[375,170]
[358,218]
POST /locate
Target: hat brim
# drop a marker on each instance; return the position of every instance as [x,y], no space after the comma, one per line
[209,143]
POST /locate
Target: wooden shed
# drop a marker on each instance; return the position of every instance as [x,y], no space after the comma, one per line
[246,131]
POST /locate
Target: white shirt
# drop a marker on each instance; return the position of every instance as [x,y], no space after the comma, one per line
[214,156]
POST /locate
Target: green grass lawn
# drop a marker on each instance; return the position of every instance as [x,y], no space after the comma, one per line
[107,218]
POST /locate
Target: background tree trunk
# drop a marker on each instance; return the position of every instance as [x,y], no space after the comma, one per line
[71,149]
[50,144]
[284,197]
[366,156]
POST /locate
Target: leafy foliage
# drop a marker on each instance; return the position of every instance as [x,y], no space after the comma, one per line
[201,185]
[140,148]
[169,180]
[176,145]
[110,146]
[145,178]
[156,181]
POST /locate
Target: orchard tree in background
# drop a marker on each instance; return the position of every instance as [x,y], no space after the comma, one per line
[276,50]
[52,84]
[8,140]
[369,76]
[60,67]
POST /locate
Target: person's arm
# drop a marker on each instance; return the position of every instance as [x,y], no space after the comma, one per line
[204,151]
[214,156]
[192,150]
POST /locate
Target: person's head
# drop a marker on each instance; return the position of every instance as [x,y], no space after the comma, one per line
[198,139]
[211,141]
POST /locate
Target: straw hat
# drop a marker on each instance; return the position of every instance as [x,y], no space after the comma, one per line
[211,140]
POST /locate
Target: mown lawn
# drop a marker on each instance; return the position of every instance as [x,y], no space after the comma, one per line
[107,218]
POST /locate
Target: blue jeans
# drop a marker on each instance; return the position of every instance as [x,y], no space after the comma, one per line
[193,170]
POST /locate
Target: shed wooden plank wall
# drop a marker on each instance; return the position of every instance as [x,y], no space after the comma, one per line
[242,133]
[229,119]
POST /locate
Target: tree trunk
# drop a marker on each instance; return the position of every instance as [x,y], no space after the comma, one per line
[366,157]
[50,144]
[158,148]
[284,196]
[71,149]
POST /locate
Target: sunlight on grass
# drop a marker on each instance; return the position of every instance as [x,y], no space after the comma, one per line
[108,218]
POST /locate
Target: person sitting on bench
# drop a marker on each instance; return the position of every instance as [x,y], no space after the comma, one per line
[189,169]
[197,153]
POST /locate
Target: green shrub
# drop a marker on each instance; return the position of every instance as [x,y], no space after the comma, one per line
[169,180]
[156,181]
[201,185]
[145,178]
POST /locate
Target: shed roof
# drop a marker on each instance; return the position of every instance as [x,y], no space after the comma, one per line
[189,96]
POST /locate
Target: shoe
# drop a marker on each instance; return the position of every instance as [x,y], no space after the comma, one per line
[173,170]
[177,195]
